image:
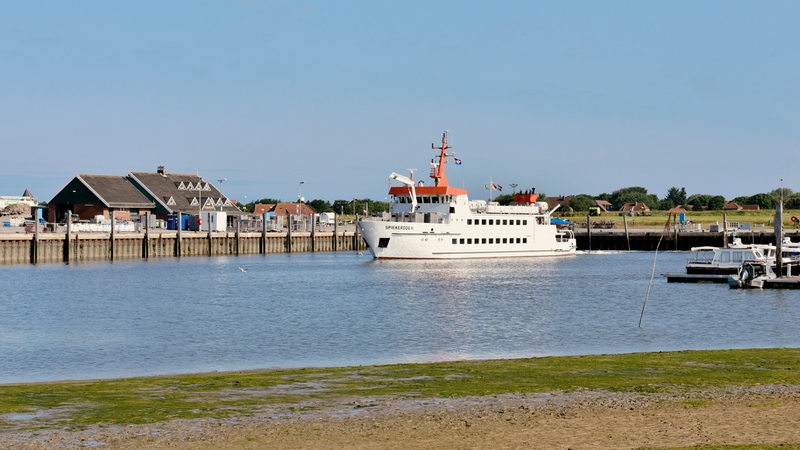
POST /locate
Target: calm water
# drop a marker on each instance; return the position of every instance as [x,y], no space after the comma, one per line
[201,314]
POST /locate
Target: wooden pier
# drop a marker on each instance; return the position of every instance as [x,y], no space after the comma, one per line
[40,248]
[777,283]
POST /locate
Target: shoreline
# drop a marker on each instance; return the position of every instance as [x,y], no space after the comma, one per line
[654,399]
[592,419]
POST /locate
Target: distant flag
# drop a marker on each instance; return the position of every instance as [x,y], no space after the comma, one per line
[486,186]
[499,188]
[457,161]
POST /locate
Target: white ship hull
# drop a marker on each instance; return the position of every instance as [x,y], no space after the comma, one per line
[403,240]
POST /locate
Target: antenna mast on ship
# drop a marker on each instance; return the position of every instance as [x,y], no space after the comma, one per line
[437,169]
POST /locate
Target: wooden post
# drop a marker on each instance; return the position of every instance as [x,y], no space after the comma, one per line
[35,241]
[627,236]
[313,240]
[111,213]
[238,223]
[68,238]
[210,243]
[146,246]
[355,235]
[589,232]
[335,224]
[289,234]
[264,236]
[178,243]
[724,230]
[676,237]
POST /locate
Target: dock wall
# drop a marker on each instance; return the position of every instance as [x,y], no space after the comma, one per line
[43,248]
[650,240]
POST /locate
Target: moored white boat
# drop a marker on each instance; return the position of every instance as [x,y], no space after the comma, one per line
[751,275]
[440,222]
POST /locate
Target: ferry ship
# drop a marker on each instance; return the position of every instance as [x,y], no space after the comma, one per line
[440,222]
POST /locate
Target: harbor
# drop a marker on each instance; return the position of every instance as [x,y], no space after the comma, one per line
[304,309]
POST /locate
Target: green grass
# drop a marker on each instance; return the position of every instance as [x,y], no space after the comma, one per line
[756,219]
[77,404]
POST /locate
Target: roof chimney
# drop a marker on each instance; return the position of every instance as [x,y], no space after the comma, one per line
[162,171]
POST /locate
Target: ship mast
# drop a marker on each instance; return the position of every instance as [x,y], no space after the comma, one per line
[437,169]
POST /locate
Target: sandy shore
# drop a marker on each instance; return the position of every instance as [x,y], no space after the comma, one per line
[751,415]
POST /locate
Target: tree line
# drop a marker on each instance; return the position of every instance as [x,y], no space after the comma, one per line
[678,197]
[582,202]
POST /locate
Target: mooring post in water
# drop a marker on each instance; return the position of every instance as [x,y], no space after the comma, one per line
[35,241]
[289,234]
[627,236]
[236,235]
[263,248]
[111,213]
[210,249]
[178,242]
[589,232]
[146,242]
[313,240]
[335,228]
[724,230]
[68,238]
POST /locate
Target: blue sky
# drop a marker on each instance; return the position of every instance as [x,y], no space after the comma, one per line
[570,97]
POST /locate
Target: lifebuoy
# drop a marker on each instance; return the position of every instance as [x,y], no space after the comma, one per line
[795,219]
[200,221]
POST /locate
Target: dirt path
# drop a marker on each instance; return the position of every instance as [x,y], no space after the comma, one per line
[757,415]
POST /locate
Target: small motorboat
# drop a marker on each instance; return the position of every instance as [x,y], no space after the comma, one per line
[751,275]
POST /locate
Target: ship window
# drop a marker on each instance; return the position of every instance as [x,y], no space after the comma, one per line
[469,240]
[518,240]
[461,241]
[452,210]
[483,240]
[505,222]
[491,240]
[505,241]
[483,221]
[525,222]
[518,222]
[491,221]
[383,242]
[455,241]
[524,240]
[469,221]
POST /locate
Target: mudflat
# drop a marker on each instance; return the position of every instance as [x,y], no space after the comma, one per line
[754,414]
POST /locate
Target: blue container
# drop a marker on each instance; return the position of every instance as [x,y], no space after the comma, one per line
[172,222]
